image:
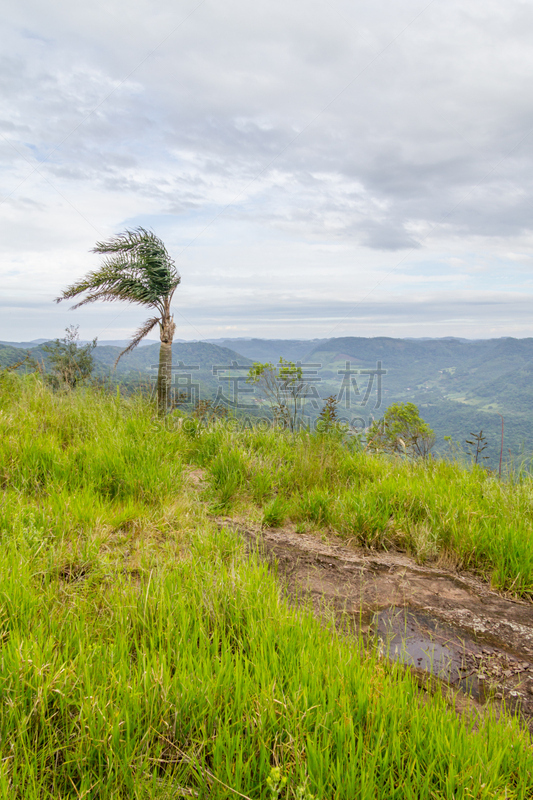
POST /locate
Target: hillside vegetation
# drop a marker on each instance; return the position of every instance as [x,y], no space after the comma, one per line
[145,654]
[460,386]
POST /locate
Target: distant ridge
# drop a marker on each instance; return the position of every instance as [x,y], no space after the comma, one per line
[270,349]
[461,386]
[101,343]
[25,345]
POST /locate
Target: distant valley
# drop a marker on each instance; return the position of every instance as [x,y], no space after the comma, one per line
[460,386]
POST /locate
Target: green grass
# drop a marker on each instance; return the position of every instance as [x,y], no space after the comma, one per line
[469,517]
[145,655]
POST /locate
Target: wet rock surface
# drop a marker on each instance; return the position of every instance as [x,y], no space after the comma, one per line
[447,624]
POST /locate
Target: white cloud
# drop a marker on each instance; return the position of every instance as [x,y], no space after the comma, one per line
[311,151]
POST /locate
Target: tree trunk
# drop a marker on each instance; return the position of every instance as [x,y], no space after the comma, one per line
[164,375]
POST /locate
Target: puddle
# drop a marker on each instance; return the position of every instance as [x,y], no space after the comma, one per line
[404,640]
[421,642]
[437,622]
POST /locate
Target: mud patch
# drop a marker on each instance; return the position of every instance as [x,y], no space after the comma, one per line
[437,622]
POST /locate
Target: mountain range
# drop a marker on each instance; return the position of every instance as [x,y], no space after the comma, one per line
[460,386]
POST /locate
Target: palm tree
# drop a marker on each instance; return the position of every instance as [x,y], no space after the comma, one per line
[137,269]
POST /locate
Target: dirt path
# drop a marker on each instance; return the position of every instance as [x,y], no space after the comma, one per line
[434,620]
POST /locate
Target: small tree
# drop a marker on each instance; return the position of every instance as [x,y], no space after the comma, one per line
[284,388]
[478,443]
[136,269]
[71,363]
[327,419]
[401,431]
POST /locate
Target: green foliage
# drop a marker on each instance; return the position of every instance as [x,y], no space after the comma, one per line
[401,431]
[479,443]
[71,363]
[261,485]
[49,449]
[228,472]
[327,419]
[12,359]
[199,677]
[275,513]
[284,388]
[146,654]
[429,508]
[137,270]
[316,506]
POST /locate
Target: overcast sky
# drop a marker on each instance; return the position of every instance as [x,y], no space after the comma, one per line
[315,167]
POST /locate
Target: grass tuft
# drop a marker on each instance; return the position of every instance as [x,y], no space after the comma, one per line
[146,655]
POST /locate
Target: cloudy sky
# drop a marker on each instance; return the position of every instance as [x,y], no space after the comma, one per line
[315,167]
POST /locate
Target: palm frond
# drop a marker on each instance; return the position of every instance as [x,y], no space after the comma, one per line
[143,251]
[109,297]
[138,336]
[129,240]
[137,269]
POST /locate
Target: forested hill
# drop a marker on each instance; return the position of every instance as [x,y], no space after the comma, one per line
[484,373]
[271,349]
[144,360]
[207,364]
[460,386]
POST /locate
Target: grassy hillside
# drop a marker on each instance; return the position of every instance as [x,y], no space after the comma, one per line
[461,386]
[146,655]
